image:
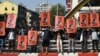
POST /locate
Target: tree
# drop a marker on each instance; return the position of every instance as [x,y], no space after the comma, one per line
[61,12]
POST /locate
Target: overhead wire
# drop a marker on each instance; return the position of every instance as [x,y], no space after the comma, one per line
[90,8]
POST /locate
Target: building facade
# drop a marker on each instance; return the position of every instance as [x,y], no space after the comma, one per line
[43,7]
[93,5]
[8,7]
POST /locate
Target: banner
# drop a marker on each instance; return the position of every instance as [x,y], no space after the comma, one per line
[45,19]
[84,21]
[2,28]
[94,20]
[49,54]
[32,37]
[22,42]
[88,54]
[71,26]
[59,22]
[11,21]
[9,54]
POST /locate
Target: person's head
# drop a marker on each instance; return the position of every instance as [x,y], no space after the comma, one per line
[58,33]
[93,29]
[87,29]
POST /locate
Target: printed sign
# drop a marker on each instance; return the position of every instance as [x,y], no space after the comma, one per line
[32,37]
[59,22]
[2,28]
[11,21]
[94,20]
[22,42]
[45,19]
[71,26]
[84,20]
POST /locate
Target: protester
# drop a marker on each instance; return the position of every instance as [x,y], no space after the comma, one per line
[95,40]
[46,39]
[11,37]
[83,39]
[78,33]
[33,47]
[71,42]
[22,31]
[59,43]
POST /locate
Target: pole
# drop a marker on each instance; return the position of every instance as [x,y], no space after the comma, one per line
[57,10]
[47,5]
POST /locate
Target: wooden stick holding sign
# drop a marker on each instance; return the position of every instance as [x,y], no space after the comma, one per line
[94,20]
[45,19]
[22,42]
[11,21]
[59,22]
[32,37]
[2,28]
[71,26]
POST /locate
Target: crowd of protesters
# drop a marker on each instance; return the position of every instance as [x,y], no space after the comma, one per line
[47,34]
[82,35]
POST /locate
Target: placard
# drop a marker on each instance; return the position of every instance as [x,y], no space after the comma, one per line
[32,37]
[94,20]
[2,28]
[84,20]
[59,22]
[45,19]
[22,42]
[11,21]
[71,26]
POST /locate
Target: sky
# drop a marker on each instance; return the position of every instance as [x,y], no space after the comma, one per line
[31,4]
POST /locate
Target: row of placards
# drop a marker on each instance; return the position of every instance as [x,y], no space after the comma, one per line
[85,21]
[11,23]
[59,22]
[24,40]
[89,20]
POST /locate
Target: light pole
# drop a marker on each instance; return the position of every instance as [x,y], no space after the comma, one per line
[47,5]
[47,1]
[57,9]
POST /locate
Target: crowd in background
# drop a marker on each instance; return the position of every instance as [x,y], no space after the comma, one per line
[59,35]
[82,35]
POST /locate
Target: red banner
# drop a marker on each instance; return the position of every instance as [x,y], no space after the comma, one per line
[45,19]
[94,20]
[71,26]
[84,21]
[49,54]
[22,42]
[59,22]
[88,54]
[2,28]
[11,21]
[32,37]
[9,54]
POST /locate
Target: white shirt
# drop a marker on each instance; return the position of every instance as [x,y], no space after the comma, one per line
[42,34]
[94,35]
[11,35]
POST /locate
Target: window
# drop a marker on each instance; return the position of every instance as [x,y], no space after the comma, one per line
[6,9]
[2,17]
[13,9]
